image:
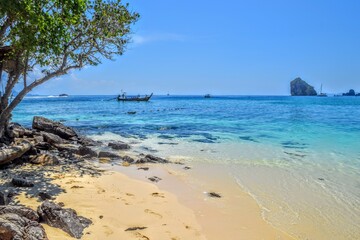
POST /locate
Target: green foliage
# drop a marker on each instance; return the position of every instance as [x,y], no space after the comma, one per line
[78,31]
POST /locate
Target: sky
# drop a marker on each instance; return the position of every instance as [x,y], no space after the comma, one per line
[229,47]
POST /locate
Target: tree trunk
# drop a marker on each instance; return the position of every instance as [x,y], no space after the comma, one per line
[14,151]
[4,123]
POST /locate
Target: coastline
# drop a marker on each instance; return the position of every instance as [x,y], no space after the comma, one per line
[188,178]
[236,215]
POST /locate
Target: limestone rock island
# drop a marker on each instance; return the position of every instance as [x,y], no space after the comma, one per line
[299,87]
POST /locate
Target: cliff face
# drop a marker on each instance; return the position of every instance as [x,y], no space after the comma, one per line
[299,87]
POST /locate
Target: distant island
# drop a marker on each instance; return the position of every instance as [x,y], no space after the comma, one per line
[63,95]
[299,87]
[351,93]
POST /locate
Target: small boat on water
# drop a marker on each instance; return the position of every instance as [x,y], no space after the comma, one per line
[321,93]
[124,98]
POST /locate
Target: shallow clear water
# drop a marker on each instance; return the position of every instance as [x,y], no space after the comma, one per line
[298,156]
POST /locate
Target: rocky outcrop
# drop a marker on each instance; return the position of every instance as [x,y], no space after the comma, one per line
[18,223]
[103,154]
[85,141]
[15,130]
[119,145]
[47,125]
[86,151]
[52,138]
[63,218]
[299,87]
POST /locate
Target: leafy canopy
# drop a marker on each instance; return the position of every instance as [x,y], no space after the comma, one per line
[63,33]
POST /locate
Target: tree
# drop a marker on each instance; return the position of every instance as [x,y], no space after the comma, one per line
[54,37]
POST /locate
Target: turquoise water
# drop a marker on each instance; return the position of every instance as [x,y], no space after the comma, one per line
[299,157]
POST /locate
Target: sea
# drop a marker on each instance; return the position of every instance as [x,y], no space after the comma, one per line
[298,157]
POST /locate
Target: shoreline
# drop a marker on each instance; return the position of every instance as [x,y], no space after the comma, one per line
[236,213]
[218,204]
[133,203]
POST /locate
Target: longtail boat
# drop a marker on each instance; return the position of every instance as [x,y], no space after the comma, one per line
[124,98]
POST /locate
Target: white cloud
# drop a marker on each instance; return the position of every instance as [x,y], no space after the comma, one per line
[165,37]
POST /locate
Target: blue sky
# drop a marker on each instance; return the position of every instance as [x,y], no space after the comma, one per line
[250,47]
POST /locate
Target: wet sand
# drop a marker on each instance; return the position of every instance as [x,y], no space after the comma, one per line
[236,215]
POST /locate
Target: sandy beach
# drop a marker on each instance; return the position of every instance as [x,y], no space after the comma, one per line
[117,202]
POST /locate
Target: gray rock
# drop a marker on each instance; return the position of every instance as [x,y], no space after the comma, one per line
[104,154]
[20,223]
[63,218]
[5,197]
[154,179]
[151,159]
[52,138]
[21,211]
[214,195]
[47,125]
[299,87]
[15,130]
[119,145]
[83,150]
[88,141]
[128,159]
[21,182]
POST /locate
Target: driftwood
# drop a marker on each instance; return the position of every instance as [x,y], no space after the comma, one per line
[14,151]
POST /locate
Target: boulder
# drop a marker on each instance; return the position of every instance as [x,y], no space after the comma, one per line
[21,182]
[18,223]
[299,87]
[86,151]
[88,141]
[15,130]
[53,138]
[151,159]
[119,145]
[63,218]
[47,125]
[45,159]
[21,211]
[104,154]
